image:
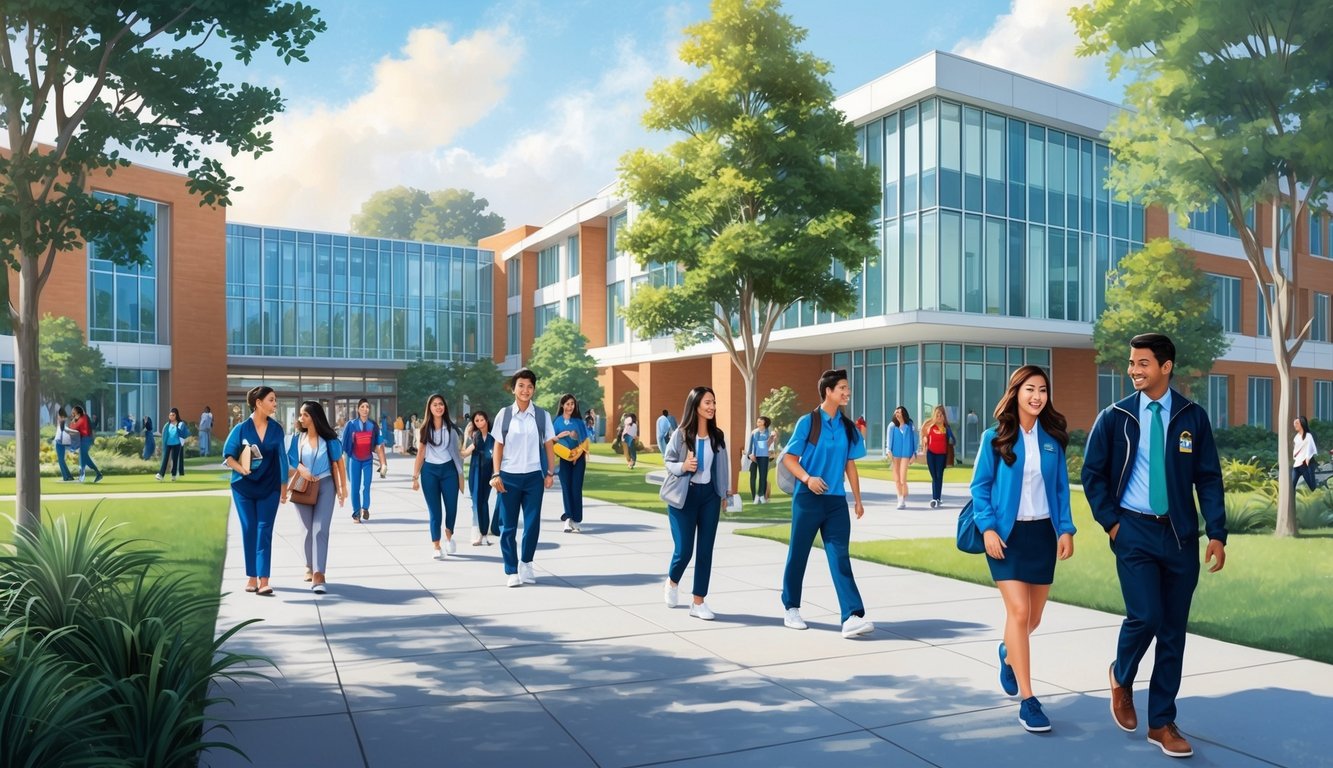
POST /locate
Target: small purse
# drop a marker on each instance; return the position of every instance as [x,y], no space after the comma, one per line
[969,538]
[303,491]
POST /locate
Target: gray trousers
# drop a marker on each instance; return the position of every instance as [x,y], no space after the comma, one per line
[317,520]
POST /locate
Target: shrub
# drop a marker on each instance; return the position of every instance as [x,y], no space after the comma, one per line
[1250,513]
[1078,438]
[1246,477]
[120,445]
[1074,463]
[1314,509]
[104,626]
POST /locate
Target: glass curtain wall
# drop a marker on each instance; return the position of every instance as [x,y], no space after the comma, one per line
[967,379]
[122,300]
[310,294]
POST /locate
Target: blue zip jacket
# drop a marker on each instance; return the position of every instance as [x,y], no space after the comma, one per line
[901,443]
[1192,466]
[997,487]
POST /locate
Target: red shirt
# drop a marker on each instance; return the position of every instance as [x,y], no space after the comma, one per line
[937,439]
[82,426]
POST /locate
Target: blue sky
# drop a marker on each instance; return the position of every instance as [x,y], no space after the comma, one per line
[530,104]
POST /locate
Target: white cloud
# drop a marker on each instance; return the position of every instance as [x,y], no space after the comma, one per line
[1036,38]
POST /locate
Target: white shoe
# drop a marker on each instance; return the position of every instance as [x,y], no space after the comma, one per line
[902,503]
[855,626]
[476,540]
[702,611]
[525,573]
[575,527]
[763,500]
[159,477]
[934,503]
[450,546]
[792,619]
[514,580]
[569,525]
[672,595]
[486,539]
[437,553]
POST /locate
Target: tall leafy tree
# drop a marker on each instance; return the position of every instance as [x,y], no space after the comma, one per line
[484,386]
[561,361]
[444,216]
[1160,288]
[782,406]
[418,381]
[759,201]
[72,371]
[1232,104]
[81,80]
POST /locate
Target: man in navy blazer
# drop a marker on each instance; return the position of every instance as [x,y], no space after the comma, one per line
[1146,459]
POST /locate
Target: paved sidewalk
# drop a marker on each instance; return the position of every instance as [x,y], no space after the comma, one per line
[408,661]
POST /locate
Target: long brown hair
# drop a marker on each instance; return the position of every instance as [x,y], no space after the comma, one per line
[1006,415]
[427,434]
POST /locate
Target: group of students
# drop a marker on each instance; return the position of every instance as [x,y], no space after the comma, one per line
[902,445]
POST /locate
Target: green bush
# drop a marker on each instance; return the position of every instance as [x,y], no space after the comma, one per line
[103,660]
[1074,463]
[1247,477]
[1078,438]
[1251,512]
[1314,509]
[119,445]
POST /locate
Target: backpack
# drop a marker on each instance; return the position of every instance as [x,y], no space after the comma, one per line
[786,480]
[507,416]
[363,441]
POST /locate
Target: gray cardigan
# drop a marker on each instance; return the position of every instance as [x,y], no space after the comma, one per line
[674,459]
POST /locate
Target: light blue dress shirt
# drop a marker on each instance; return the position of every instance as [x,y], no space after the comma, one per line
[1136,490]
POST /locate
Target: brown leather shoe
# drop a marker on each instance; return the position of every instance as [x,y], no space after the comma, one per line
[1169,739]
[1122,704]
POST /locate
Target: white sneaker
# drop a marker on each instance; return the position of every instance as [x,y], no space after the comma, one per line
[855,626]
[902,503]
[159,477]
[793,620]
[437,553]
[514,580]
[763,499]
[525,573]
[934,503]
[450,546]
[575,527]
[702,611]
[672,594]
[569,525]
[476,540]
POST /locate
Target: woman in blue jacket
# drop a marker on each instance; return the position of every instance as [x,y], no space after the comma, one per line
[480,446]
[1020,501]
[900,443]
[174,433]
[255,452]
[317,456]
[571,447]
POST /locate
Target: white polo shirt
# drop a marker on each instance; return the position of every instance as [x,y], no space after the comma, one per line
[523,446]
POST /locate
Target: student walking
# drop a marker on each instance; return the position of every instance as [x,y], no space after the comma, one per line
[571,448]
[479,444]
[149,446]
[316,456]
[1303,451]
[760,451]
[937,441]
[174,433]
[697,450]
[362,439]
[1148,457]
[205,431]
[64,441]
[629,432]
[823,449]
[665,425]
[255,451]
[900,443]
[437,471]
[1020,498]
[84,428]
[524,465]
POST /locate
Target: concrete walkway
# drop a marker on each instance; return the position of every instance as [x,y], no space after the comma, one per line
[409,661]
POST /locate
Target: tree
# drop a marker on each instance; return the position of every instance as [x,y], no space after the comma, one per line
[1160,288]
[484,387]
[1232,106]
[759,202]
[107,76]
[478,385]
[418,381]
[781,406]
[561,361]
[72,371]
[455,216]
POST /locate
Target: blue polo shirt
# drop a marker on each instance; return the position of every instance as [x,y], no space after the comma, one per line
[828,458]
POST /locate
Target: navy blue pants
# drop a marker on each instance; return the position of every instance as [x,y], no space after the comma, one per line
[695,522]
[935,463]
[571,487]
[521,492]
[759,477]
[439,483]
[479,486]
[257,516]
[1157,578]
[827,515]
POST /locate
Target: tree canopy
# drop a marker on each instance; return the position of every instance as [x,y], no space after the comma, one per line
[561,361]
[72,371]
[1160,288]
[1232,104]
[758,202]
[477,385]
[101,78]
[455,216]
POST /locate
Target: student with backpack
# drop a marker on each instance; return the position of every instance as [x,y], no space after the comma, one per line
[524,464]
[823,448]
[362,439]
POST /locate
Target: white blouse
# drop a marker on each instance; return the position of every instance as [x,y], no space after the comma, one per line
[1032,503]
[1302,448]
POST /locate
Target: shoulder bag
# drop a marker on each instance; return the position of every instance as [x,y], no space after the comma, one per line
[969,538]
[303,491]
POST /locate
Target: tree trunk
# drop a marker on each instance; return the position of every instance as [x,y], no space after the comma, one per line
[1286,489]
[749,375]
[27,401]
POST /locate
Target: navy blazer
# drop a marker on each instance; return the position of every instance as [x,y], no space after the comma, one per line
[997,487]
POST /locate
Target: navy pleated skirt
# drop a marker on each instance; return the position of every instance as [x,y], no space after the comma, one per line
[1029,556]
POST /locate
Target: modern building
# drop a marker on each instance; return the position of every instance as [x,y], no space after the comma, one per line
[996,233]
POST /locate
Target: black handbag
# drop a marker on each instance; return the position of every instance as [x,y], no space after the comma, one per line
[969,538]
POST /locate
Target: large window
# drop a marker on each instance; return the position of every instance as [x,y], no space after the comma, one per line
[1261,402]
[132,393]
[1226,301]
[574,310]
[1261,311]
[7,408]
[1316,234]
[543,315]
[122,300]
[615,324]
[513,343]
[1323,400]
[572,256]
[1215,397]
[548,266]
[514,276]
[1319,326]
[618,223]
[1216,220]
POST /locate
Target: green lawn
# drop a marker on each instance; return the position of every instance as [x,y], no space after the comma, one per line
[201,474]
[1273,593]
[618,484]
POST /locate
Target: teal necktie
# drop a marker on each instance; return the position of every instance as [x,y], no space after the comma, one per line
[1157,497]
